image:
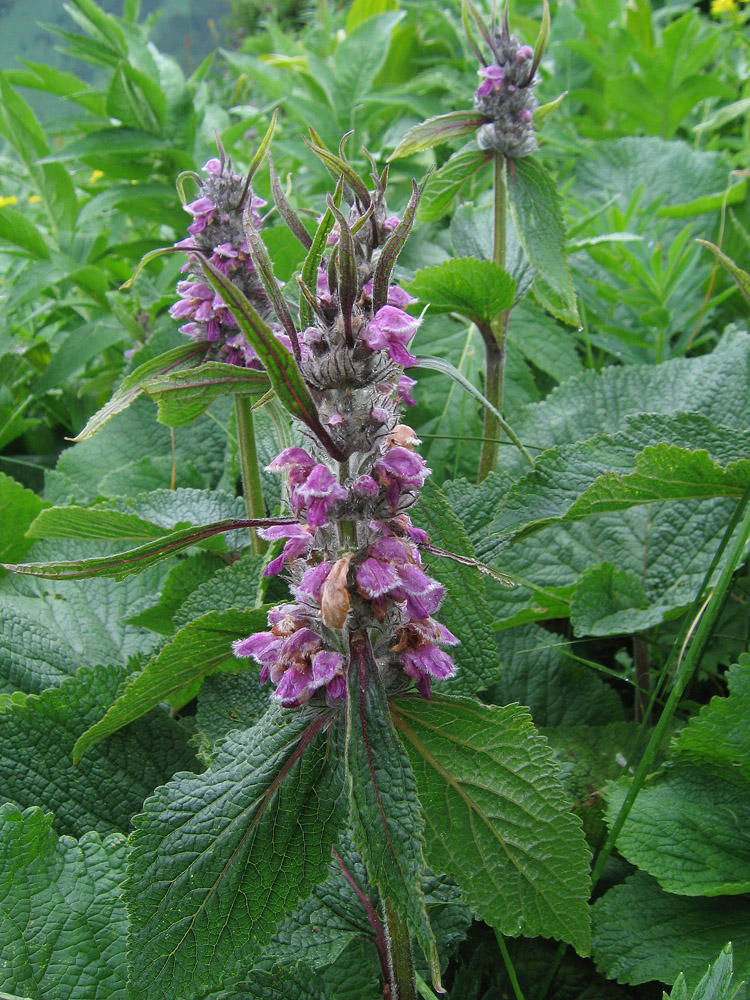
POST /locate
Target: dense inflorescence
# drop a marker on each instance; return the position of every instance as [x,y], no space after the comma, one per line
[353,556]
[217,234]
[506,96]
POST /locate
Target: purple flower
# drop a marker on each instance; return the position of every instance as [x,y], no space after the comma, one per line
[397,296]
[524,52]
[391,329]
[493,80]
[203,211]
[404,388]
[425,662]
[365,486]
[312,581]
[319,492]
[398,470]
[299,540]
[376,578]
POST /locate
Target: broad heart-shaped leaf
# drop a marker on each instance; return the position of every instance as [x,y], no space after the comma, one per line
[434,131]
[690,829]
[497,817]
[199,648]
[717,984]
[37,735]
[478,289]
[184,395]
[445,183]
[62,920]
[641,933]
[218,858]
[188,355]
[279,364]
[18,508]
[535,205]
[122,564]
[385,812]
[464,609]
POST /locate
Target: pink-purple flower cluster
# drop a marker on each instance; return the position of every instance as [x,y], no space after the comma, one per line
[353,555]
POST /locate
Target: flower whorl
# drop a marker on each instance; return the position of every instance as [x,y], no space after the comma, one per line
[353,557]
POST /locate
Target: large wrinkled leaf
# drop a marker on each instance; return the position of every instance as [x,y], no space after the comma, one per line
[497,817]
[37,735]
[719,735]
[386,818]
[197,649]
[62,921]
[641,932]
[218,858]
[478,289]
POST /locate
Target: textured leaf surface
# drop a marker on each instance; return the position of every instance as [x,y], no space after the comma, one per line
[230,701]
[441,128]
[535,205]
[62,922]
[37,734]
[18,508]
[497,817]
[183,396]
[180,582]
[690,829]
[385,814]
[464,609]
[218,858]
[719,735]
[478,289]
[233,586]
[445,183]
[717,984]
[200,647]
[641,932]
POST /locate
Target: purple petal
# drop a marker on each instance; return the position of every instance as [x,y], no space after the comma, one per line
[294,688]
[376,578]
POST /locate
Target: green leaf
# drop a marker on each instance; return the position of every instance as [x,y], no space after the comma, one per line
[184,395]
[122,564]
[445,183]
[716,984]
[93,523]
[187,355]
[17,229]
[180,582]
[136,100]
[742,278]
[688,828]
[197,649]
[641,932]
[358,58]
[497,817]
[18,508]
[535,205]
[62,922]
[607,601]
[464,609]
[227,702]
[236,585]
[37,734]
[437,130]
[718,736]
[218,858]
[385,814]
[279,364]
[477,289]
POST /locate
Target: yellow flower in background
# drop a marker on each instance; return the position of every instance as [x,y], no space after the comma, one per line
[723,6]
[34,198]
[9,200]
[95,175]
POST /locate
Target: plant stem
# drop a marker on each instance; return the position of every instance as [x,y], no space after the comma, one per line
[248,454]
[494,336]
[687,667]
[509,967]
[403,983]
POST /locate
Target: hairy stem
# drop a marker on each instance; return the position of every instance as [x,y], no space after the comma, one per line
[494,336]
[403,982]
[689,664]
[248,454]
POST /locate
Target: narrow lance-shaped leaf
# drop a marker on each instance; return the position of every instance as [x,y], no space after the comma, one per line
[189,355]
[122,564]
[443,185]
[338,165]
[279,364]
[286,211]
[264,266]
[309,277]
[389,254]
[347,271]
[741,277]
[201,647]
[218,858]
[385,811]
[434,131]
[183,396]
